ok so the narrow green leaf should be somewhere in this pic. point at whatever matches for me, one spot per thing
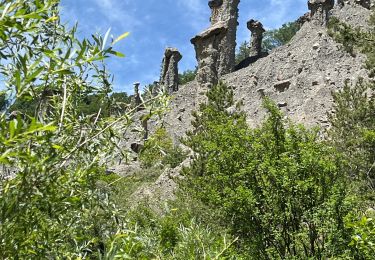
(106, 38)
(122, 36)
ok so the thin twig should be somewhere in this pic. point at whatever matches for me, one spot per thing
(66, 158)
(63, 108)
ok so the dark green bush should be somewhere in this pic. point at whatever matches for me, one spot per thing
(277, 187)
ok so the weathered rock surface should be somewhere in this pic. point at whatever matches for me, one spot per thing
(301, 75)
(169, 73)
(226, 11)
(207, 48)
(257, 31)
(320, 10)
(162, 190)
(364, 3)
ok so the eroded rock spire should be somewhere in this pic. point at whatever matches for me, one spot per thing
(320, 10)
(226, 11)
(207, 50)
(169, 73)
(137, 97)
(257, 31)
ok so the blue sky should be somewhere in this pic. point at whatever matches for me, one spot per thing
(157, 24)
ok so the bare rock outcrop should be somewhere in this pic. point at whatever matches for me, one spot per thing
(169, 73)
(226, 11)
(320, 10)
(137, 97)
(207, 48)
(257, 31)
(303, 19)
(216, 46)
(299, 76)
(368, 4)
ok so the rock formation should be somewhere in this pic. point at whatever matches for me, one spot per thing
(365, 3)
(216, 47)
(303, 19)
(257, 31)
(320, 10)
(215, 6)
(137, 97)
(169, 73)
(226, 11)
(207, 50)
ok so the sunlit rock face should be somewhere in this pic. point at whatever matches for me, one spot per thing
(207, 48)
(169, 72)
(226, 11)
(320, 10)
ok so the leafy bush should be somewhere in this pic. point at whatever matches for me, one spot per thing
(171, 236)
(363, 234)
(51, 207)
(278, 187)
(159, 148)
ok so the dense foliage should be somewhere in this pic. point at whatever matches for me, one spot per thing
(50, 205)
(3, 101)
(279, 188)
(186, 76)
(278, 191)
(281, 36)
(159, 149)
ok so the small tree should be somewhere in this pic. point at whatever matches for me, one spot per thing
(243, 52)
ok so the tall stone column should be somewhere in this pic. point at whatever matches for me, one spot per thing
(137, 97)
(207, 48)
(320, 10)
(226, 11)
(257, 31)
(169, 73)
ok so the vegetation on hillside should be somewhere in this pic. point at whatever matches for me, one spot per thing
(277, 191)
(187, 76)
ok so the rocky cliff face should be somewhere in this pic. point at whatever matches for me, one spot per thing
(299, 77)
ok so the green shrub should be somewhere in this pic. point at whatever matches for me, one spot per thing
(159, 149)
(277, 187)
(363, 234)
(353, 127)
(187, 76)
